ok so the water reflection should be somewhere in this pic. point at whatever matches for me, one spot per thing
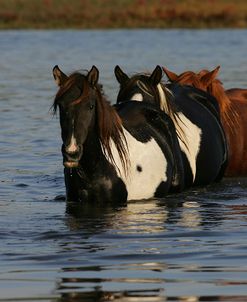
(189, 247)
(91, 218)
(146, 216)
(99, 297)
(122, 241)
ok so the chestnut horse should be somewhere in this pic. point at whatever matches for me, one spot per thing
(233, 111)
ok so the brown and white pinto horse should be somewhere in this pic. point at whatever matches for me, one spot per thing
(233, 111)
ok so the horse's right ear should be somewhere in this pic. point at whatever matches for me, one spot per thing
(210, 76)
(93, 76)
(59, 76)
(120, 75)
(172, 77)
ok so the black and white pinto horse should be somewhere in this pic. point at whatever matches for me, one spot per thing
(114, 154)
(195, 115)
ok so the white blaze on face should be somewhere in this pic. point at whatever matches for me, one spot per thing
(137, 97)
(72, 147)
(142, 183)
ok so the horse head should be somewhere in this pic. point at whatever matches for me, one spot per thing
(202, 80)
(140, 87)
(76, 100)
(207, 81)
(145, 87)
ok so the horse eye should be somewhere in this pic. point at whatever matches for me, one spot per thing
(91, 106)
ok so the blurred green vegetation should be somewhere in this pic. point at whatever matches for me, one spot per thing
(49, 14)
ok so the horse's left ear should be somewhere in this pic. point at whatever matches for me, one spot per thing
(120, 75)
(156, 75)
(208, 78)
(93, 76)
(172, 76)
(59, 76)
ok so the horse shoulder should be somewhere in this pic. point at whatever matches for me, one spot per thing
(148, 169)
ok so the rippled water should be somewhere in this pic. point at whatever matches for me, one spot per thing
(187, 247)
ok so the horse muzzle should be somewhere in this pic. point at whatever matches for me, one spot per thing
(71, 159)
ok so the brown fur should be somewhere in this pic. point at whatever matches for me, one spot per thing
(233, 111)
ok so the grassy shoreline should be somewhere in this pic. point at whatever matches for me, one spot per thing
(104, 14)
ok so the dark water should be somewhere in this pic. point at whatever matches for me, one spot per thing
(189, 247)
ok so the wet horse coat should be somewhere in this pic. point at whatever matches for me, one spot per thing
(233, 112)
(114, 154)
(196, 118)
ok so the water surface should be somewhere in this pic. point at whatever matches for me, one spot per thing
(187, 247)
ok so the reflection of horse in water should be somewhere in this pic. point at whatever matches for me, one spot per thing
(233, 112)
(107, 231)
(146, 216)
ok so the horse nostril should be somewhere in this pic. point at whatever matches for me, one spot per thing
(71, 149)
(72, 154)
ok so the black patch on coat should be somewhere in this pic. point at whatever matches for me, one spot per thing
(139, 168)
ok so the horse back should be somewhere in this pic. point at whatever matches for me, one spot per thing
(194, 95)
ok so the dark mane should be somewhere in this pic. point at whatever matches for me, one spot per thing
(167, 104)
(136, 80)
(109, 124)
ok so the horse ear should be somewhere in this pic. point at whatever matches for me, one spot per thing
(172, 77)
(120, 75)
(156, 75)
(93, 76)
(208, 78)
(59, 76)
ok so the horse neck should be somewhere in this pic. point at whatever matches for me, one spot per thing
(217, 90)
(229, 116)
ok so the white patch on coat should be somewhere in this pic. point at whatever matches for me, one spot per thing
(189, 134)
(142, 185)
(189, 137)
(137, 97)
(72, 147)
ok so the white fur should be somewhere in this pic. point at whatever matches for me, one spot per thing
(137, 97)
(189, 135)
(189, 140)
(163, 101)
(142, 185)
